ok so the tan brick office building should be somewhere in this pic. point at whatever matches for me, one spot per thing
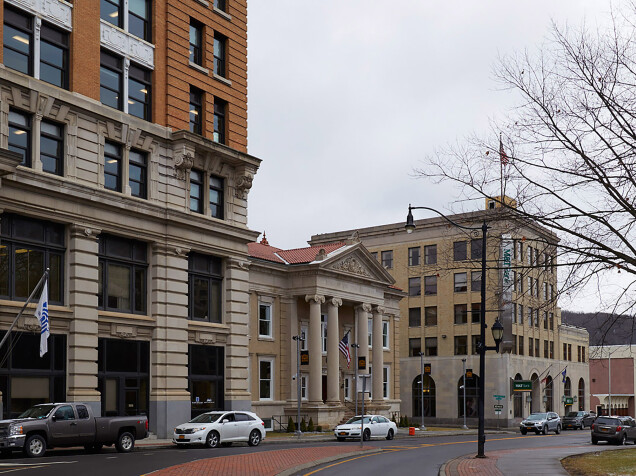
(440, 267)
(128, 177)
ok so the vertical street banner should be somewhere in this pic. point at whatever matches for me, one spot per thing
(507, 248)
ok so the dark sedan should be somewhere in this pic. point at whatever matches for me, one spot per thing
(577, 420)
(617, 430)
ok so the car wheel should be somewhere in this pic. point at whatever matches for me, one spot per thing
(558, 429)
(524, 431)
(125, 442)
(545, 430)
(35, 446)
(212, 440)
(389, 435)
(594, 440)
(255, 438)
(623, 439)
(367, 435)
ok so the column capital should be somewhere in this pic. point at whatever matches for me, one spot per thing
(364, 307)
(315, 297)
(379, 310)
(84, 231)
(336, 302)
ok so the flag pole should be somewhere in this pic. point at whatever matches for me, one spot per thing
(501, 196)
(43, 279)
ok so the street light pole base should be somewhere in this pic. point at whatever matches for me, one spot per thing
(481, 456)
(464, 427)
(423, 428)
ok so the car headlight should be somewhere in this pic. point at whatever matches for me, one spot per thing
(196, 430)
(15, 430)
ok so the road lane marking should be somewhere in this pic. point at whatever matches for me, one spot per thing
(36, 464)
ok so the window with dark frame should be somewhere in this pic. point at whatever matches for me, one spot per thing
(139, 84)
(52, 147)
(216, 196)
(112, 166)
(430, 254)
(18, 41)
(196, 191)
(206, 372)
(414, 256)
(536, 348)
(475, 312)
(220, 112)
(521, 341)
(415, 317)
(460, 250)
(123, 265)
(415, 346)
(530, 347)
(430, 346)
(205, 287)
(220, 43)
(475, 281)
(430, 285)
(139, 14)
(28, 248)
(220, 5)
(474, 344)
(387, 259)
(461, 345)
(196, 35)
(111, 11)
(460, 313)
(415, 286)
(460, 282)
(111, 80)
(546, 349)
(20, 135)
(475, 249)
(54, 64)
(138, 173)
(430, 316)
(196, 110)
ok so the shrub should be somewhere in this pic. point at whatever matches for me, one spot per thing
(402, 424)
(310, 427)
(303, 425)
(319, 429)
(291, 426)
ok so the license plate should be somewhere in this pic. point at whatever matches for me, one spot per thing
(343, 433)
(530, 427)
(605, 430)
(181, 437)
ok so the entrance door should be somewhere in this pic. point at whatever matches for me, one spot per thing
(324, 388)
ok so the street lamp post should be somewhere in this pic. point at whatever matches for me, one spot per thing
(356, 346)
(422, 427)
(464, 368)
(299, 338)
(497, 328)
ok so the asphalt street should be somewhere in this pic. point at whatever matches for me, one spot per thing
(422, 456)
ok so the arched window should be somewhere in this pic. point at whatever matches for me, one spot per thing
(518, 401)
(428, 394)
(549, 404)
(581, 394)
(472, 396)
(536, 400)
(567, 392)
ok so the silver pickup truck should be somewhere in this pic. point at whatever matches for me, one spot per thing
(52, 425)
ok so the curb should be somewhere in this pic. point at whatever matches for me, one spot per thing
(313, 464)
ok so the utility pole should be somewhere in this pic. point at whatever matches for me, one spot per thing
(299, 338)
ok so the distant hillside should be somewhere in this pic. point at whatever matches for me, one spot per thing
(604, 329)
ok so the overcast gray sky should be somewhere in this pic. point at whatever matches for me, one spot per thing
(346, 97)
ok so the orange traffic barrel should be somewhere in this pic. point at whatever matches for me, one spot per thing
(411, 431)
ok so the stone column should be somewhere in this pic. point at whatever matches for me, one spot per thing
(82, 338)
(362, 325)
(333, 354)
(378, 356)
(315, 349)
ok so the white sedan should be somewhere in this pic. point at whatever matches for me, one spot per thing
(220, 428)
(374, 426)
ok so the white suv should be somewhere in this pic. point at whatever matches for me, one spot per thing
(541, 423)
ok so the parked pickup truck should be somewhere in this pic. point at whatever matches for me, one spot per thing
(52, 425)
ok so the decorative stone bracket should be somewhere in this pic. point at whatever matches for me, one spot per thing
(243, 185)
(183, 163)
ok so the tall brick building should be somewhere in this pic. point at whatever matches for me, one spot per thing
(123, 154)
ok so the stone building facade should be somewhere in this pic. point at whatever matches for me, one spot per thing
(439, 265)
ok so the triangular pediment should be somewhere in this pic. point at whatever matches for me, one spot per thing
(357, 261)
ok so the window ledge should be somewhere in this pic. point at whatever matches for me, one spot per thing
(222, 79)
(266, 338)
(209, 325)
(225, 15)
(125, 315)
(203, 2)
(199, 68)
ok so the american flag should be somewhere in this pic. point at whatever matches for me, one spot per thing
(502, 154)
(344, 348)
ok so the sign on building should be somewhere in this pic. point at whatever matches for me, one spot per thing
(507, 249)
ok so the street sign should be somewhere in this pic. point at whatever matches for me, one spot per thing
(304, 357)
(499, 397)
(427, 369)
(469, 373)
(362, 362)
(569, 400)
(498, 407)
(522, 385)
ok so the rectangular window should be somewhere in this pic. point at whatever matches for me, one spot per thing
(530, 347)
(18, 41)
(461, 345)
(112, 166)
(519, 250)
(375, 255)
(583, 354)
(216, 197)
(460, 250)
(565, 351)
(385, 382)
(521, 340)
(28, 248)
(545, 291)
(415, 287)
(111, 76)
(370, 332)
(20, 135)
(520, 314)
(265, 379)
(54, 66)
(460, 313)
(347, 388)
(551, 350)
(530, 316)
(414, 256)
(52, 147)
(220, 111)
(196, 50)
(430, 316)
(514, 281)
(323, 332)
(514, 313)
(430, 254)
(430, 285)
(196, 191)
(529, 255)
(475, 310)
(551, 321)
(475, 281)
(303, 333)
(303, 387)
(578, 353)
(137, 174)
(430, 346)
(514, 344)
(531, 285)
(385, 334)
(552, 292)
(570, 352)
(387, 259)
(220, 5)
(415, 317)
(139, 84)
(536, 348)
(123, 265)
(220, 43)
(474, 341)
(476, 249)
(520, 282)
(415, 347)
(196, 110)
(205, 288)
(536, 318)
(111, 11)
(460, 282)
(265, 320)
(139, 12)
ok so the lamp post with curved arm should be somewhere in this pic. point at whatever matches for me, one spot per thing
(497, 328)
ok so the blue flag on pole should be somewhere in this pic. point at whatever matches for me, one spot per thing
(42, 314)
(563, 373)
